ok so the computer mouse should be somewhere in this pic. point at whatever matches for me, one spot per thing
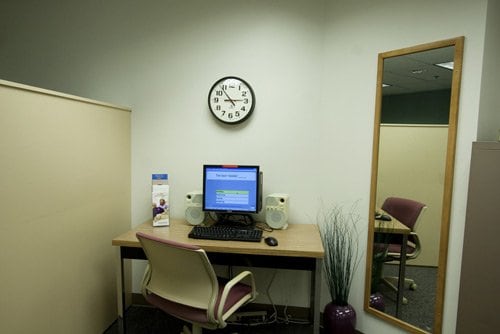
(382, 216)
(271, 241)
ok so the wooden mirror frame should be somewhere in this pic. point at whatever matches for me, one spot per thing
(448, 180)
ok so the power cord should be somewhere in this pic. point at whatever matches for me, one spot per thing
(263, 226)
(273, 318)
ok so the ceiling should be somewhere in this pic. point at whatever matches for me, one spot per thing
(416, 72)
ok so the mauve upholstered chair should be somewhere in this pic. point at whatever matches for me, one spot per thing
(181, 281)
(408, 212)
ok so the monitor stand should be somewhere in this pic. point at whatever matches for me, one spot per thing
(237, 220)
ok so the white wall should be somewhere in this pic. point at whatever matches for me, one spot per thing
(355, 32)
(489, 120)
(312, 65)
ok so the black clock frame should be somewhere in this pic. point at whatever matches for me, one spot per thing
(252, 107)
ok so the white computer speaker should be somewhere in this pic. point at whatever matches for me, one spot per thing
(276, 206)
(194, 212)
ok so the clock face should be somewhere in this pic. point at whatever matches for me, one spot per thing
(231, 100)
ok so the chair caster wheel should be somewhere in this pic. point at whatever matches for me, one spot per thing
(413, 286)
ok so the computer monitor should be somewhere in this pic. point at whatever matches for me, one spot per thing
(232, 189)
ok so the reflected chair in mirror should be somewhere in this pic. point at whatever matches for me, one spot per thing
(181, 281)
(408, 212)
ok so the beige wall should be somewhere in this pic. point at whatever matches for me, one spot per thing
(65, 176)
(411, 165)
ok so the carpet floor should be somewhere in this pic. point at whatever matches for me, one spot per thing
(420, 309)
(148, 320)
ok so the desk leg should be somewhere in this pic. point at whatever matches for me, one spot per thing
(120, 292)
(401, 276)
(316, 295)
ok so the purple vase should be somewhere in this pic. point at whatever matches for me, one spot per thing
(377, 301)
(339, 319)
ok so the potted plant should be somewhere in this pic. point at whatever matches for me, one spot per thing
(340, 241)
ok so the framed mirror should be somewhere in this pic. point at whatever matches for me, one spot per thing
(413, 161)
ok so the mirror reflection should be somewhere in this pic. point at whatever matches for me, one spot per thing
(411, 183)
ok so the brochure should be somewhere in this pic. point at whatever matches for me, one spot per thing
(160, 196)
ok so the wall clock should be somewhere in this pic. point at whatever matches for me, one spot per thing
(231, 100)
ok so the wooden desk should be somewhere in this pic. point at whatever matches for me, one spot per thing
(396, 227)
(299, 247)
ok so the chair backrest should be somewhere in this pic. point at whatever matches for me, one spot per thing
(407, 211)
(180, 272)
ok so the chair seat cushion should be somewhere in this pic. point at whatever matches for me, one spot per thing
(193, 314)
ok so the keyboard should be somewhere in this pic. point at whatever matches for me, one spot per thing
(225, 233)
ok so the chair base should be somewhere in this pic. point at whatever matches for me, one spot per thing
(392, 283)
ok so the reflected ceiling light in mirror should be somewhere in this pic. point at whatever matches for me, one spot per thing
(448, 65)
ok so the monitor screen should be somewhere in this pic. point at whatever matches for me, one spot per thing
(232, 188)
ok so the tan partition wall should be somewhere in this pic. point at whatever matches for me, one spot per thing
(411, 165)
(65, 193)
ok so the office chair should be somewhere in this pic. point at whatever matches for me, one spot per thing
(181, 281)
(409, 213)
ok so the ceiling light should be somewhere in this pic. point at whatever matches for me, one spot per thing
(385, 85)
(447, 65)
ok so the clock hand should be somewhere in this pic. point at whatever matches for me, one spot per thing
(227, 96)
(236, 100)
